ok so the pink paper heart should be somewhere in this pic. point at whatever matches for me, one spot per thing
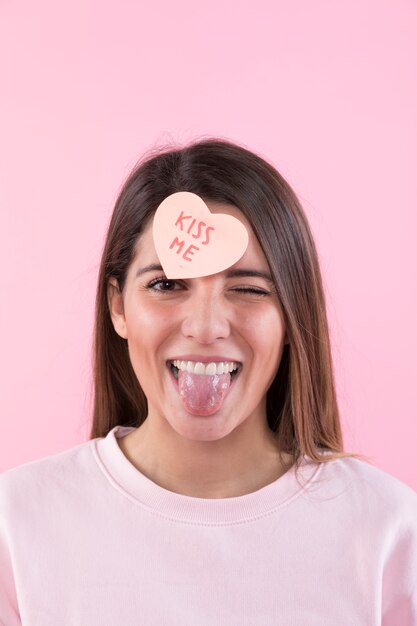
(190, 241)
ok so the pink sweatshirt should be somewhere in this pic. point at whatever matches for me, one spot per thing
(87, 540)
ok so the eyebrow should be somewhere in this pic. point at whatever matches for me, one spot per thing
(149, 268)
(234, 273)
(238, 273)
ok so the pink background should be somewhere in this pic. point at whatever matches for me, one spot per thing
(325, 90)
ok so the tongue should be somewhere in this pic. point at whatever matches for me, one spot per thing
(201, 393)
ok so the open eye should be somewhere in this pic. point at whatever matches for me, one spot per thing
(164, 283)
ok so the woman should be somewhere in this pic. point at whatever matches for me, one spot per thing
(214, 488)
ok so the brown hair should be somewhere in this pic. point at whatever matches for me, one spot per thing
(302, 407)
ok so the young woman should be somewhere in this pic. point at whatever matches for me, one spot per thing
(214, 488)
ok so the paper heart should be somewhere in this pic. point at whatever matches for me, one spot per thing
(190, 241)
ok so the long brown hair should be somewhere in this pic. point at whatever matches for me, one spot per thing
(302, 407)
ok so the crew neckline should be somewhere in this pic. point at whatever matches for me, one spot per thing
(125, 477)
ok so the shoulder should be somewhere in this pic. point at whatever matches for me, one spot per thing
(375, 490)
(41, 481)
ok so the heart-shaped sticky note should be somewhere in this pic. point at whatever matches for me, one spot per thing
(190, 241)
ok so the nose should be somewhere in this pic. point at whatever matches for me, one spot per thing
(205, 316)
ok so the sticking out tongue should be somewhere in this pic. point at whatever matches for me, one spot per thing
(201, 393)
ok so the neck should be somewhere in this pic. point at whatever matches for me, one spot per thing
(242, 462)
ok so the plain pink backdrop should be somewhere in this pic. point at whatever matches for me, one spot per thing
(324, 90)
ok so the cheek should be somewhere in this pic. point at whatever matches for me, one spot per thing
(147, 329)
(265, 336)
(264, 326)
(147, 326)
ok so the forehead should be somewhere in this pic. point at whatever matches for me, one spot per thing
(146, 253)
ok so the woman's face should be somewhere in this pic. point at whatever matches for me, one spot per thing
(219, 318)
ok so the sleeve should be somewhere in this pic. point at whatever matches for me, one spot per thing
(9, 612)
(399, 582)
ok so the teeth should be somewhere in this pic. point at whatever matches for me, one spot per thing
(199, 368)
(209, 369)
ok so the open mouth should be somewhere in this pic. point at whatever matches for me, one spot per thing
(237, 367)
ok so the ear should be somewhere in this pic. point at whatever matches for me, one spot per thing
(116, 308)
